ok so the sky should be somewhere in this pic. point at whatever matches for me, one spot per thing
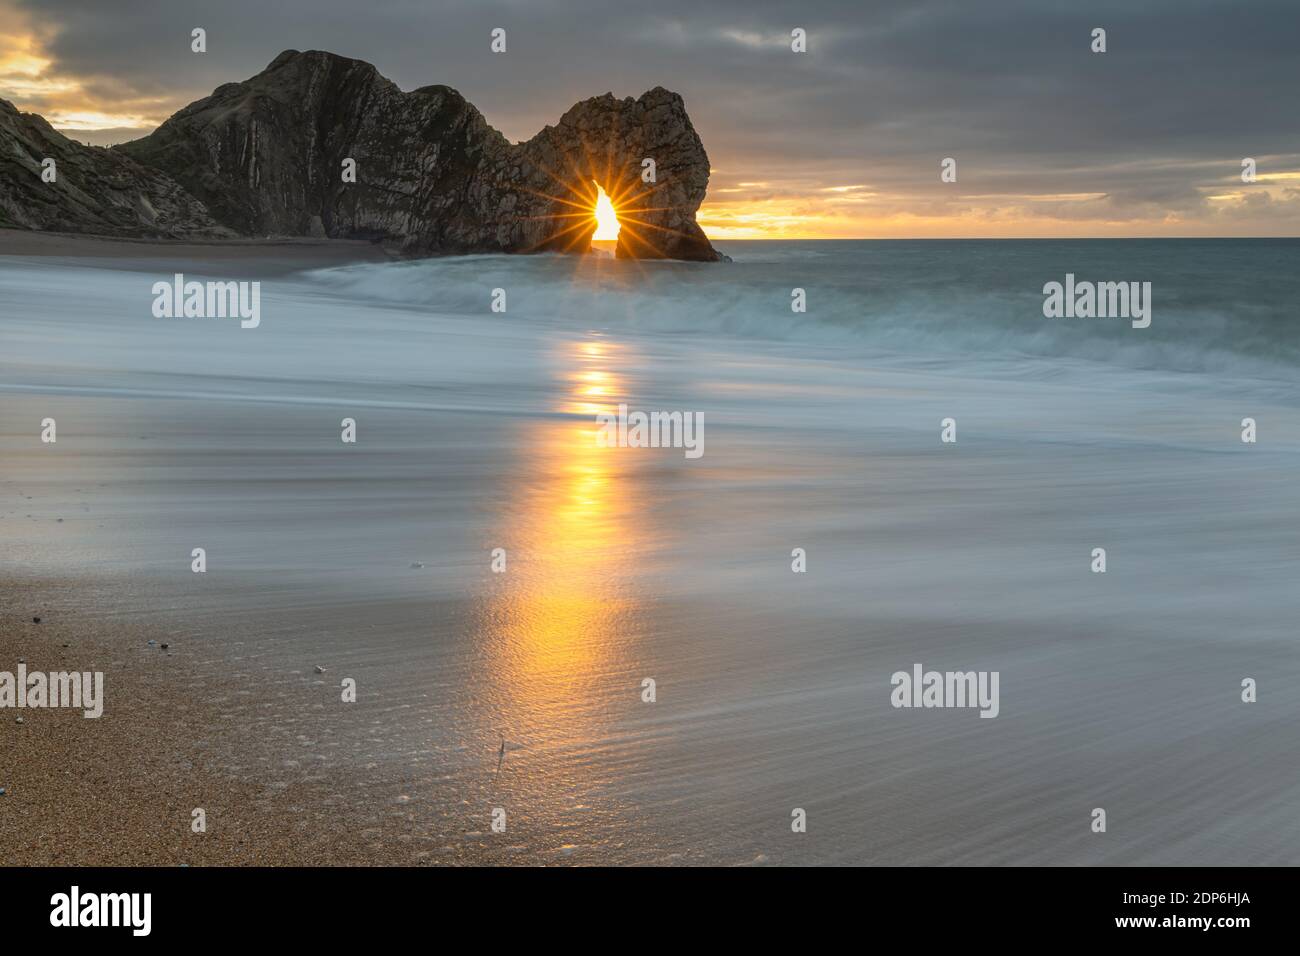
(845, 140)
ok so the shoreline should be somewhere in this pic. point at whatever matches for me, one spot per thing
(265, 256)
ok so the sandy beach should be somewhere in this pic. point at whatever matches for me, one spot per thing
(122, 789)
(262, 256)
(373, 560)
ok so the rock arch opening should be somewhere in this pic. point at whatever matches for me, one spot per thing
(605, 238)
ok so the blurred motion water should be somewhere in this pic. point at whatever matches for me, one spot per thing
(476, 431)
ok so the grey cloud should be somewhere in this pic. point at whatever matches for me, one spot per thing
(1009, 87)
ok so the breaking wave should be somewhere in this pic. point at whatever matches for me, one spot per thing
(1218, 306)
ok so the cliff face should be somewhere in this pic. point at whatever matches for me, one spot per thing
(265, 157)
(93, 190)
(606, 140)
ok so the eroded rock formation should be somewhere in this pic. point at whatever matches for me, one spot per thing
(265, 157)
(88, 189)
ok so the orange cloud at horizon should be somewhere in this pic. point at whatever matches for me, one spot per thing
(857, 211)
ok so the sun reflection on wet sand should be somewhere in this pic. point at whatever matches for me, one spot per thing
(558, 627)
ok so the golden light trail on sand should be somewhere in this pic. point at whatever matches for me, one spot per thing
(553, 633)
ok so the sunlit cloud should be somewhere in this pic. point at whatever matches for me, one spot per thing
(89, 119)
(20, 88)
(754, 40)
(804, 209)
(31, 80)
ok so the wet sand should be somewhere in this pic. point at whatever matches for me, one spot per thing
(1119, 690)
(255, 258)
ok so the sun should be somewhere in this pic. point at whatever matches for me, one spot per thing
(617, 230)
(606, 218)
